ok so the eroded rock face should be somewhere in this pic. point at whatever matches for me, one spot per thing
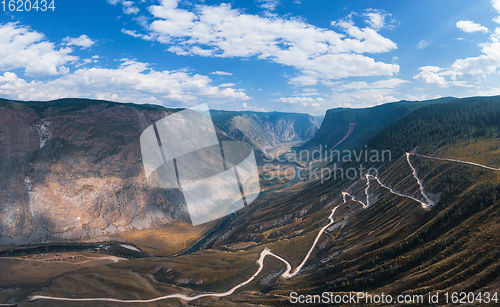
(71, 169)
(71, 173)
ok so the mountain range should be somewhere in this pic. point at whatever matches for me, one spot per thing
(425, 222)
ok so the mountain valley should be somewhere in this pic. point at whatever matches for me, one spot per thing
(426, 222)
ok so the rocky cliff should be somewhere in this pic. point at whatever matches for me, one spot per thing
(72, 169)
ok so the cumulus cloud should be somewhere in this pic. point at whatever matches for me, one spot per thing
(131, 82)
(128, 6)
(477, 67)
(377, 19)
(496, 5)
(319, 54)
(430, 75)
(20, 47)
(83, 41)
(470, 27)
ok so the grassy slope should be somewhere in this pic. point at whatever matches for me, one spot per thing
(440, 124)
(395, 246)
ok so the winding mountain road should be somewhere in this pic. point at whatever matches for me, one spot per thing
(267, 252)
(455, 160)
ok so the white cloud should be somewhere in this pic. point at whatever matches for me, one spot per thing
(84, 62)
(93, 59)
(227, 84)
(131, 82)
(83, 41)
(307, 92)
(423, 44)
(430, 75)
(20, 47)
(253, 108)
(345, 94)
(128, 6)
(470, 27)
(496, 5)
(497, 19)
(482, 65)
(492, 91)
(319, 54)
(363, 98)
(304, 101)
(421, 97)
(269, 4)
(221, 73)
(136, 34)
(477, 67)
(132, 33)
(433, 75)
(362, 94)
(377, 19)
(361, 85)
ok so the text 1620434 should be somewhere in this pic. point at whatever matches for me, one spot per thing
(28, 5)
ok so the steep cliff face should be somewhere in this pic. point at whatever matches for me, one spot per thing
(72, 169)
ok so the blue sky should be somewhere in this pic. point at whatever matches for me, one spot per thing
(262, 55)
